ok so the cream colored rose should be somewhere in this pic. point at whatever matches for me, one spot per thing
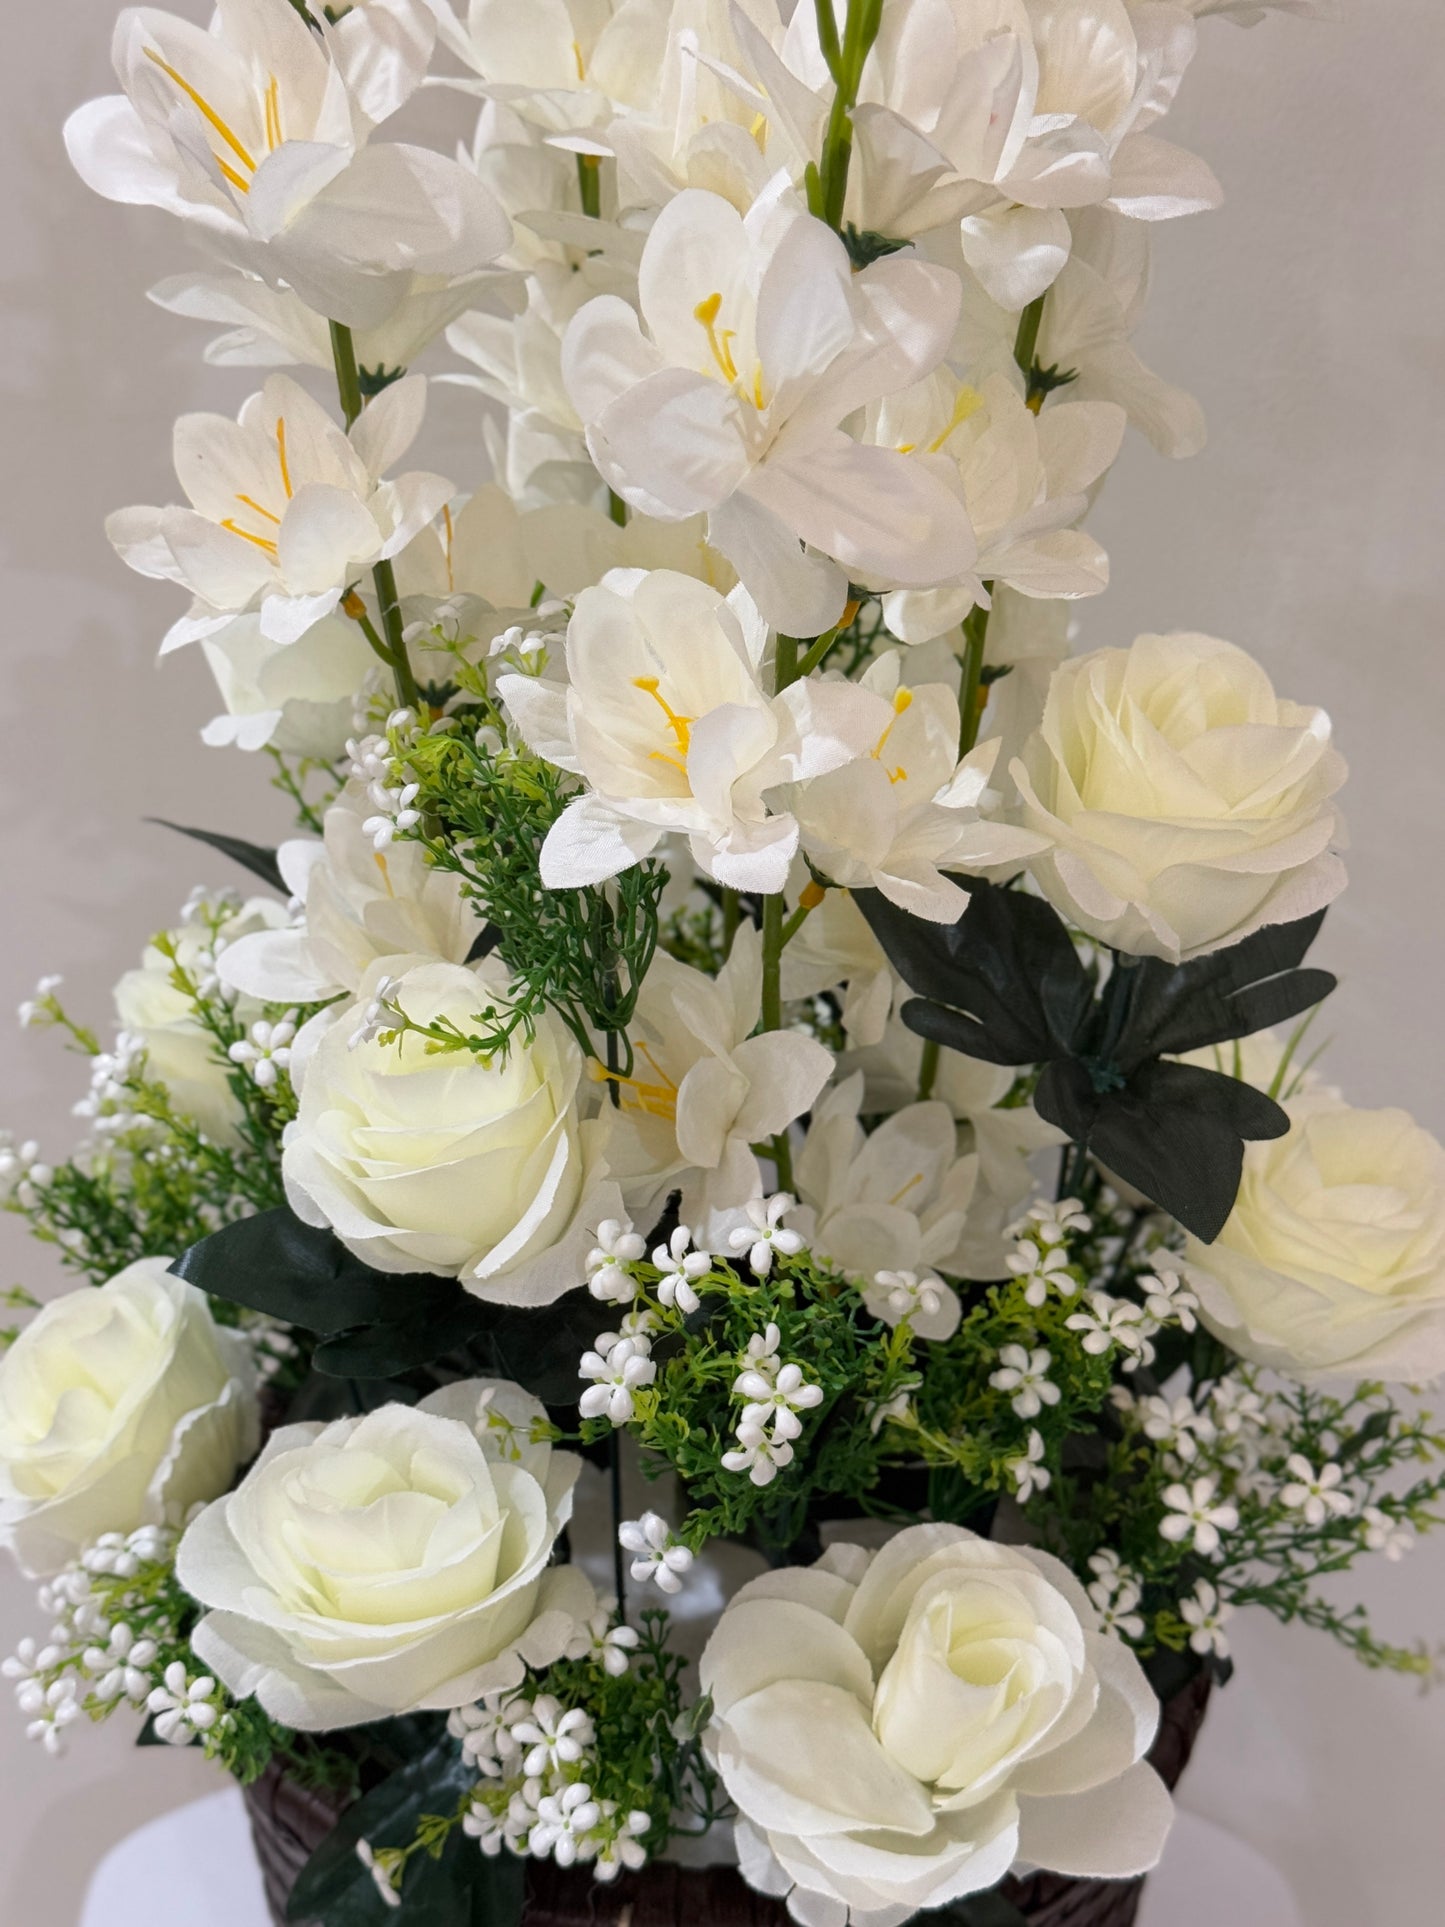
(383, 1564)
(898, 1729)
(1186, 804)
(119, 1407)
(439, 1161)
(1333, 1259)
(180, 1052)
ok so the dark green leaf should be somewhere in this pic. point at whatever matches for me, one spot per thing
(978, 1910)
(423, 1331)
(250, 856)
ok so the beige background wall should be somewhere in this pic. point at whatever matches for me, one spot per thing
(1310, 318)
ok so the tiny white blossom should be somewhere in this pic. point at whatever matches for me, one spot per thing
(605, 1644)
(182, 1706)
(616, 1374)
(1236, 1407)
(1168, 1300)
(617, 1245)
(776, 1399)
(376, 1017)
(40, 1009)
(1316, 1494)
(625, 1850)
(554, 1735)
(1206, 1613)
(680, 1265)
(764, 1237)
(378, 1870)
(656, 1554)
(1384, 1534)
(563, 1821)
(760, 1456)
(1026, 1375)
(394, 813)
(1177, 1424)
(1028, 1471)
(1108, 1322)
(1194, 1514)
(267, 1052)
(1116, 1592)
(1046, 1269)
(929, 1304)
(899, 1407)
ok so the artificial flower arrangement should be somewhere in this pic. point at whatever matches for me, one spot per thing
(723, 911)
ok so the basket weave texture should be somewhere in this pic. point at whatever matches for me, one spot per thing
(289, 1822)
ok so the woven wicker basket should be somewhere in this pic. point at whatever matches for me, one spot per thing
(288, 1823)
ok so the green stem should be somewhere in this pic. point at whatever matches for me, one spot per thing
(589, 183)
(772, 1015)
(818, 651)
(845, 63)
(928, 1070)
(795, 922)
(392, 649)
(970, 711)
(732, 914)
(617, 508)
(785, 664)
(348, 375)
(1026, 342)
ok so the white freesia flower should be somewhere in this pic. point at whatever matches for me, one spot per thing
(895, 1200)
(259, 132)
(1000, 118)
(1186, 803)
(490, 1170)
(1026, 480)
(287, 509)
(665, 719)
(1333, 1259)
(756, 340)
(296, 698)
(905, 810)
(835, 949)
(877, 1766)
(380, 1565)
(360, 905)
(119, 1407)
(180, 1052)
(704, 1089)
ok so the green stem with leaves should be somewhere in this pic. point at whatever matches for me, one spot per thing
(390, 646)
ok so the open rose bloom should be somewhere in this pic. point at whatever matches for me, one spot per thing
(769, 997)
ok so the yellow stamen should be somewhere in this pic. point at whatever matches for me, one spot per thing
(902, 703)
(758, 400)
(906, 448)
(447, 548)
(966, 402)
(246, 536)
(265, 514)
(238, 181)
(759, 132)
(681, 726)
(652, 1099)
(281, 453)
(707, 313)
(379, 858)
(900, 1195)
(274, 136)
(581, 63)
(206, 110)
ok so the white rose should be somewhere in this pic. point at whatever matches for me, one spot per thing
(1333, 1259)
(425, 1160)
(1186, 804)
(180, 1052)
(119, 1407)
(383, 1564)
(898, 1729)
(360, 904)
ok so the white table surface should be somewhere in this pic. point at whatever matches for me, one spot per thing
(195, 1868)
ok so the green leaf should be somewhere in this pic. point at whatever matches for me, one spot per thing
(978, 1910)
(250, 856)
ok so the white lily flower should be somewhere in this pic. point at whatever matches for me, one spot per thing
(704, 1089)
(1026, 480)
(666, 720)
(899, 814)
(754, 342)
(259, 130)
(298, 698)
(287, 508)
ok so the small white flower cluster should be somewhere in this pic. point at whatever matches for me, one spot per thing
(619, 1365)
(1028, 1471)
(1177, 1424)
(266, 1053)
(526, 648)
(1107, 1322)
(764, 1237)
(1205, 1614)
(183, 1705)
(1041, 1248)
(907, 1294)
(1116, 1591)
(776, 1392)
(1025, 1374)
(681, 1263)
(378, 1015)
(657, 1553)
(1196, 1513)
(603, 1641)
(536, 1761)
(618, 1246)
(40, 1010)
(23, 1176)
(394, 809)
(94, 1658)
(107, 1103)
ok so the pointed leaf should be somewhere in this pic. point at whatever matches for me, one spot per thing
(251, 856)
(1229, 993)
